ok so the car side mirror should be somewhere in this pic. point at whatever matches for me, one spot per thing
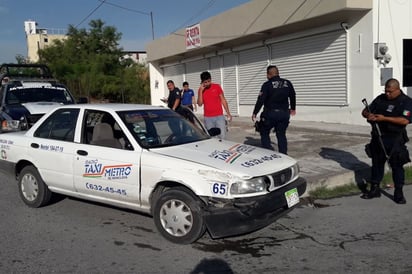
(214, 131)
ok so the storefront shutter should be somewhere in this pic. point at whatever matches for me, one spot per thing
(252, 73)
(193, 71)
(316, 66)
(229, 82)
(174, 73)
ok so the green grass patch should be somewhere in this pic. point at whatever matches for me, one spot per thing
(349, 189)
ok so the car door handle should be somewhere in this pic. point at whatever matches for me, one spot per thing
(34, 145)
(82, 152)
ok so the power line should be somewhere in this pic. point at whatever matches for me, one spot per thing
(124, 8)
(93, 11)
(132, 10)
(202, 10)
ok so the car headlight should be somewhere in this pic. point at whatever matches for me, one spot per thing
(10, 125)
(295, 170)
(254, 185)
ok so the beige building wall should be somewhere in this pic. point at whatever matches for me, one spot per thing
(40, 41)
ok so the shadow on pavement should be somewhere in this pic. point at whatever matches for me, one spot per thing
(207, 266)
(349, 161)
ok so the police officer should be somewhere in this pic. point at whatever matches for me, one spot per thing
(173, 100)
(389, 115)
(276, 95)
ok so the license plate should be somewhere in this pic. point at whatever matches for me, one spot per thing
(292, 197)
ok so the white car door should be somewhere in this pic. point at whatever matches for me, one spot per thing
(104, 167)
(110, 173)
(52, 149)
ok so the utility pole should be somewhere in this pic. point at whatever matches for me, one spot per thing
(151, 19)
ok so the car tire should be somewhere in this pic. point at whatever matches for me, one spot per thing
(178, 216)
(32, 189)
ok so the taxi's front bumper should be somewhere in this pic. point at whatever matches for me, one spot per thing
(243, 215)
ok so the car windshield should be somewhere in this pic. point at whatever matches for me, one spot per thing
(19, 95)
(162, 127)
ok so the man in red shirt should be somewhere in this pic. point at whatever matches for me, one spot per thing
(211, 97)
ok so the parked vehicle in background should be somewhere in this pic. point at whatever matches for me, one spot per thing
(153, 160)
(27, 92)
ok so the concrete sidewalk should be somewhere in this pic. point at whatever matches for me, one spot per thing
(328, 154)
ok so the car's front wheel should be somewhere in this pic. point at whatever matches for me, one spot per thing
(32, 189)
(178, 216)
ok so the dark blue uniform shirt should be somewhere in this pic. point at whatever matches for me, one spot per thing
(276, 94)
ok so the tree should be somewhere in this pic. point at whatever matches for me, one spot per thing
(89, 62)
(20, 59)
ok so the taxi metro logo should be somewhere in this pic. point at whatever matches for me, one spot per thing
(94, 169)
(230, 155)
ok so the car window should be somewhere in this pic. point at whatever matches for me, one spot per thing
(19, 95)
(60, 125)
(161, 127)
(109, 134)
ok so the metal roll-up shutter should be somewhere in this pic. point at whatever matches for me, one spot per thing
(215, 65)
(193, 71)
(229, 83)
(174, 73)
(316, 66)
(252, 73)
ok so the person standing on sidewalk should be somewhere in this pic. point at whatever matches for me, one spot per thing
(210, 95)
(389, 114)
(278, 98)
(188, 97)
(173, 100)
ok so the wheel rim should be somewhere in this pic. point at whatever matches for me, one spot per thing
(176, 218)
(29, 187)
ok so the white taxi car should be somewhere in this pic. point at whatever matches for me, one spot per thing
(155, 161)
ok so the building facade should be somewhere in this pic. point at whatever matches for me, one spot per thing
(335, 53)
(39, 38)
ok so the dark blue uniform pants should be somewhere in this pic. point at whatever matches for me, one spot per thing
(279, 121)
(396, 149)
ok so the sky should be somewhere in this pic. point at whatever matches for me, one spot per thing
(130, 17)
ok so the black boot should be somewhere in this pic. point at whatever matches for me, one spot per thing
(374, 192)
(398, 196)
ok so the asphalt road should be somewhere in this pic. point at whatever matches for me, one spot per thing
(343, 235)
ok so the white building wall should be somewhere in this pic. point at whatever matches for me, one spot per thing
(392, 23)
(157, 85)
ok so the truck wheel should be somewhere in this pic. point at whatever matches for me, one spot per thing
(32, 189)
(178, 216)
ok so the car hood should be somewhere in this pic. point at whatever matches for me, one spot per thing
(40, 107)
(240, 159)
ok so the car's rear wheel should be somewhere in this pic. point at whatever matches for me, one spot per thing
(32, 189)
(178, 216)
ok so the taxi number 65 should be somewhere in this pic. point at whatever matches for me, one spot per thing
(219, 188)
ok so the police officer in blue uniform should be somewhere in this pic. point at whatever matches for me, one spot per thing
(173, 100)
(278, 98)
(389, 115)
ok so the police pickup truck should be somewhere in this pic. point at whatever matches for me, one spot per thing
(153, 160)
(27, 92)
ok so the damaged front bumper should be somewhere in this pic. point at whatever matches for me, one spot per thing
(243, 215)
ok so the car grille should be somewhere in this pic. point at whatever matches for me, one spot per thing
(282, 177)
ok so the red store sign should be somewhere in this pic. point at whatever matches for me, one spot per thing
(193, 37)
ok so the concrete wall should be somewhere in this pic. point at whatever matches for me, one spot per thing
(40, 41)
